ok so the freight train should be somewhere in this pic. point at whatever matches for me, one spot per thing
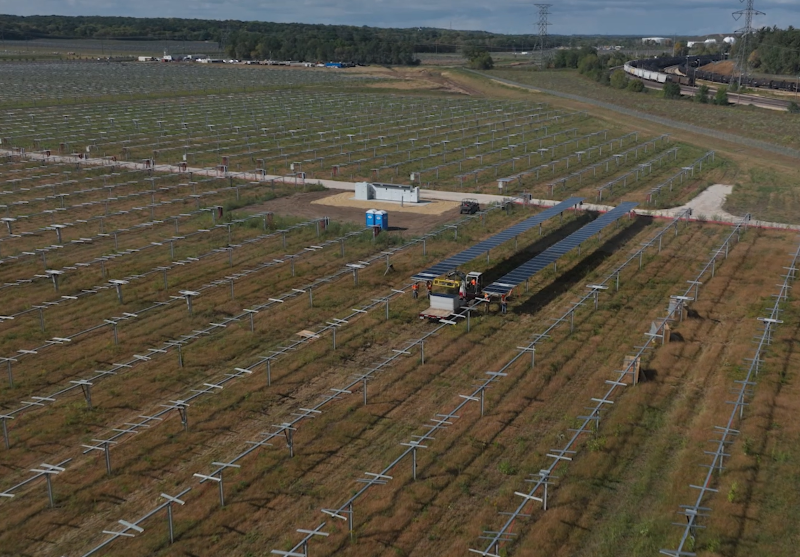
(651, 69)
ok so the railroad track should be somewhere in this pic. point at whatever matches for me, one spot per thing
(733, 98)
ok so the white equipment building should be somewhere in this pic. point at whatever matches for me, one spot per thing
(367, 191)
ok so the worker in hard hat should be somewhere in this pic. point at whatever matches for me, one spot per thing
(415, 290)
(429, 286)
(462, 291)
(503, 304)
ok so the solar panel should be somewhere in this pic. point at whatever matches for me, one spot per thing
(452, 263)
(554, 252)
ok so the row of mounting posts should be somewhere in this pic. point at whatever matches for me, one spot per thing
(532, 350)
(310, 296)
(269, 372)
(118, 284)
(414, 445)
(5, 419)
(86, 387)
(218, 479)
(105, 446)
(336, 323)
(480, 400)
(189, 294)
(727, 432)
(48, 471)
(182, 408)
(355, 267)
(171, 501)
(54, 274)
(251, 313)
(10, 371)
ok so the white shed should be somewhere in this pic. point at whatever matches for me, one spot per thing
(366, 191)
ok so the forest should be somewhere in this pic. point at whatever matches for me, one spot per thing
(292, 41)
(775, 51)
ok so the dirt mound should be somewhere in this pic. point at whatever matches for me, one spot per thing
(724, 67)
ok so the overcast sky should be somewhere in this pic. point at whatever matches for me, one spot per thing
(620, 17)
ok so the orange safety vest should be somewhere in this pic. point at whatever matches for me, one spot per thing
(415, 286)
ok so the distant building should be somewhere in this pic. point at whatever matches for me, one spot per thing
(656, 40)
(729, 40)
(706, 42)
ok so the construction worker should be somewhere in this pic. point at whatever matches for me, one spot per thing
(429, 286)
(462, 291)
(503, 304)
(415, 290)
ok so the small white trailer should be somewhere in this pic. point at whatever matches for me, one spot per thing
(442, 306)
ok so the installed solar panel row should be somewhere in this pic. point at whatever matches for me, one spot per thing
(452, 263)
(554, 252)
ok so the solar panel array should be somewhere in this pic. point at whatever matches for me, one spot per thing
(554, 252)
(469, 254)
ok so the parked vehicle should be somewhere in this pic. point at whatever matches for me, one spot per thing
(469, 206)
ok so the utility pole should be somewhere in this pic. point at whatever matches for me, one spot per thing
(544, 12)
(748, 29)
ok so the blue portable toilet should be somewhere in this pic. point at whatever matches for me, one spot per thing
(371, 217)
(382, 220)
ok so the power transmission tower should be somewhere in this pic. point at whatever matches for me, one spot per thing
(544, 13)
(748, 29)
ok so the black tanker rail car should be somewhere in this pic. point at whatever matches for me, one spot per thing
(651, 69)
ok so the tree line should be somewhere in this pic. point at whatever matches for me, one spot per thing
(606, 69)
(774, 51)
(316, 43)
(287, 41)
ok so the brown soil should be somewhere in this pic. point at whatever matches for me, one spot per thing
(617, 497)
(725, 67)
(304, 206)
(426, 208)
(423, 79)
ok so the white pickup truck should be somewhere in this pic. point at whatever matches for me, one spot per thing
(442, 306)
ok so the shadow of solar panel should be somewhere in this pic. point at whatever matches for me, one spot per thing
(553, 253)
(469, 254)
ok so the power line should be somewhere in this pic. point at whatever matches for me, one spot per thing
(544, 12)
(748, 29)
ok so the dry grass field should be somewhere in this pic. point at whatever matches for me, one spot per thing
(622, 488)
